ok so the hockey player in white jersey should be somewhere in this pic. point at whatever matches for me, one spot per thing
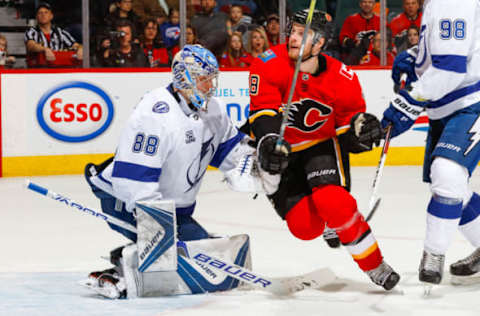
(448, 88)
(172, 136)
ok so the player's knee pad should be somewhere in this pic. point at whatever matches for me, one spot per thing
(449, 179)
(303, 220)
(334, 204)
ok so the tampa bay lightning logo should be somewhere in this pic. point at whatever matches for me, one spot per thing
(198, 167)
(308, 115)
(160, 107)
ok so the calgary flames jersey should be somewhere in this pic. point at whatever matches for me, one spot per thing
(322, 104)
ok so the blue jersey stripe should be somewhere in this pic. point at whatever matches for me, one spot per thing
(454, 95)
(135, 172)
(224, 149)
(100, 176)
(455, 63)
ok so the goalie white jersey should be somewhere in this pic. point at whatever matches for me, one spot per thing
(166, 147)
(448, 61)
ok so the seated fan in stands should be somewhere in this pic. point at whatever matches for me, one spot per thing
(48, 45)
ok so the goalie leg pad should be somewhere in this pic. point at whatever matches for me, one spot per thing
(191, 277)
(157, 233)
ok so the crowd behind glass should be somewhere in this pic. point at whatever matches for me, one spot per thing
(146, 33)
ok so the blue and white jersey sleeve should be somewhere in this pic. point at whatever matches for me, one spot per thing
(233, 143)
(448, 61)
(143, 147)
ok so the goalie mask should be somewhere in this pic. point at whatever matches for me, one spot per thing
(320, 25)
(191, 66)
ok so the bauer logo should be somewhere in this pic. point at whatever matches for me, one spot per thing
(75, 111)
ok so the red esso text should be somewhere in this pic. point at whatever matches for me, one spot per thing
(74, 112)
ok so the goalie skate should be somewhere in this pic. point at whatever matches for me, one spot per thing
(107, 283)
(92, 279)
(466, 271)
(384, 276)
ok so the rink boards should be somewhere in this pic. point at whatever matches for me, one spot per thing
(55, 121)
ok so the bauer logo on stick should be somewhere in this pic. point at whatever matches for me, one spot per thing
(75, 111)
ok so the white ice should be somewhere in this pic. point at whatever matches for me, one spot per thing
(46, 248)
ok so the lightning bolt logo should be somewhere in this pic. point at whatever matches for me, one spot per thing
(475, 138)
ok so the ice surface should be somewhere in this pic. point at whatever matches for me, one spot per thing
(46, 248)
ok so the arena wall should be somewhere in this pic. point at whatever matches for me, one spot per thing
(55, 121)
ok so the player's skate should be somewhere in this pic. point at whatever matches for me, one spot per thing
(463, 269)
(331, 237)
(431, 270)
(384, 276)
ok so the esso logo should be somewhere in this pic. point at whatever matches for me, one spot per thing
(75, 111)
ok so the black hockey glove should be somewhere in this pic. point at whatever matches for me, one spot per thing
(365, 130)
(272, 161)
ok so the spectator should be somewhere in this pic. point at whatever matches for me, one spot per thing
(257, 41)
(372, 57)
(190, 35)
(46, 43)
(235, 55)
(123, 52)
(237, 22)
(411, 15)
(359, 26)
(157, 54)
(149, 9)
(5, 60)
(273, 29)
(413, 36)
(211, 27)
(249, 7)
(170, 30)
(123, 10)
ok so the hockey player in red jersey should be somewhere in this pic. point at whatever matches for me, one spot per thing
(327, 120)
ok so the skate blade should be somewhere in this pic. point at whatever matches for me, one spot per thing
(465, 280)
(89, 282)
(427, 289)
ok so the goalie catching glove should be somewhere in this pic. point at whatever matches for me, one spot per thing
(365, 131)
(271, 160)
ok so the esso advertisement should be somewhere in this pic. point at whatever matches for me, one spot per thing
(75, 111)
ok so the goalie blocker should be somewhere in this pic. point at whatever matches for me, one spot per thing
(159, 265)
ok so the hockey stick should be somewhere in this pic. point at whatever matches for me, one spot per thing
(279, 286)
(295, 75)
(374, 199)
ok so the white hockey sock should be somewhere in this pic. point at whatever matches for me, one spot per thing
(443, 216)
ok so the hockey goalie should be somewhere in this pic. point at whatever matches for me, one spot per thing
(172, 136)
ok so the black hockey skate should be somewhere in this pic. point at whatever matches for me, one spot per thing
(331, 237)
(431, 268)
(467, 266)
(384, 276)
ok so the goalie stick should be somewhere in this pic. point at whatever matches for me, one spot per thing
(277, 286)
(374, 199)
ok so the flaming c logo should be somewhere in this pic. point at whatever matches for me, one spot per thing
(308, 115)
